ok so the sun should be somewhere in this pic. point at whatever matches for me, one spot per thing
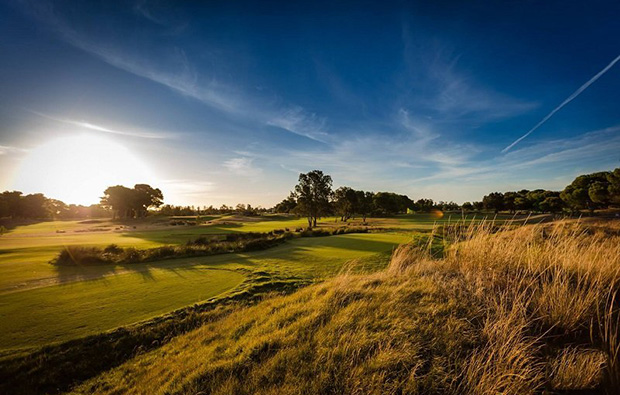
(77, 169)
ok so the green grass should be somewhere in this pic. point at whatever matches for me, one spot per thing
(54, 304)
(58, 313)
(42, 304)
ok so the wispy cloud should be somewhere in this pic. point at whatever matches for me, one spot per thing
(242, 166)
(162, 14)
(421, 130)
(98, 128)
(302, 123)
(437, 85)
(182, 77)
(186, 187)
(565, 102)
(5, 150)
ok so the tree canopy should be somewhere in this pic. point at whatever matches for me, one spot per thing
(131, 202)
(313, 193)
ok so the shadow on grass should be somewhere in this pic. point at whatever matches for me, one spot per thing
(296, 251)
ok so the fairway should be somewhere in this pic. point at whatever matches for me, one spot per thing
(62, 303)
(45, 315)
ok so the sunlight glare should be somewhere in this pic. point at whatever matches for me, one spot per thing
(77, 169)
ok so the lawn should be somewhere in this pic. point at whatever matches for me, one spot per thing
(42, 304)
(50, 314)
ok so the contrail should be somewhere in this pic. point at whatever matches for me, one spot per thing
(565, 102)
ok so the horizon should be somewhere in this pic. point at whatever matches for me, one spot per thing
(228, 103)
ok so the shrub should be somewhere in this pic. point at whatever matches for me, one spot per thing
(78, 255)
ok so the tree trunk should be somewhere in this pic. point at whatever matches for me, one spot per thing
(315, 221)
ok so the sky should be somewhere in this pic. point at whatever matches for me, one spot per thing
(227, 102)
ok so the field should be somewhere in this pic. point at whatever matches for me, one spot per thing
(49, 305)
(42, 304)
(521, 311)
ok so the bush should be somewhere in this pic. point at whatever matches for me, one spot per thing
(113, 249)
(80, 256)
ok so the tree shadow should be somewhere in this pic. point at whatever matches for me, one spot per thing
(302, 251)
(10, 224)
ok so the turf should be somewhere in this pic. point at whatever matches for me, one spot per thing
(50, 314)
(61, 303)
(42, 304)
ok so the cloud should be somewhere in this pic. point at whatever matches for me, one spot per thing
(302, 123)
(435, 85)
(242, 166)
(6, 150)
(565, 102)
(183, 190)
(88, 125)
(181, 77)
(421, 130)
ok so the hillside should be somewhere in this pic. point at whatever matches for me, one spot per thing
(511, 311)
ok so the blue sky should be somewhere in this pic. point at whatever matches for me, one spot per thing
(228, 102)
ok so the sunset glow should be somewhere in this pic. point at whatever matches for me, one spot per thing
(77, 169)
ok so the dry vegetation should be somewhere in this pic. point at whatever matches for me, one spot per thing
(514, 310)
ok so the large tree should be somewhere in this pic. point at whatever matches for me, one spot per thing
(364, 203)
(494, 201)
(614, 186)
(588, 191)
(10, 204)
(313, 193)
(345, 202)
(131, 202)
(146, 197)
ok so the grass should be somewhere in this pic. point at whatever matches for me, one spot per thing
(41, 304)
(514, 311)
(78, 301)
(58, 313)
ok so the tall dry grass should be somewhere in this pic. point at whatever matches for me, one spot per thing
(538, 288)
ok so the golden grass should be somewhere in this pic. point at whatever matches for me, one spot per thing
(513, 311)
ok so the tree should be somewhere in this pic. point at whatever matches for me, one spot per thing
(551, 204)
(389, 203)
(146, 197)
(494, 201)
(467, 206)
(364, 203)
(132, 202)
(614, 186)
(510, 201)
(425, 205)
(345, 202)
(34, 206)
(10, 204)
(119, 199)
(588, 191)
(313, 194)
(287, 205)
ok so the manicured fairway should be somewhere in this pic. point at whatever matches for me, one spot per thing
(76, 301)
(42, 304)
(45, 315)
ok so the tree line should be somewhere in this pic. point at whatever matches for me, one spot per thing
(590, 192)
(313, 197)
(16, 205)
(240, 209)
(118, 201)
